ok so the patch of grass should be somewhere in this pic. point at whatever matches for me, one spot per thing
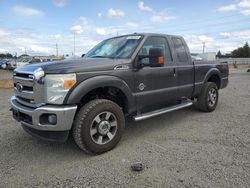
(6, 84)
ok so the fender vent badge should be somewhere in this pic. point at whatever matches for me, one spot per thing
(141, 86)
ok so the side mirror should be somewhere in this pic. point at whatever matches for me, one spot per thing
(156, 58)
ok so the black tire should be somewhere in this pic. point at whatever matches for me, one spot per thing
(204, 103)
(85, 122)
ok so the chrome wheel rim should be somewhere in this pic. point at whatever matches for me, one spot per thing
(103, 128)
(212, 97)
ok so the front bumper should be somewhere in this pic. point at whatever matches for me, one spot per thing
(32, 117)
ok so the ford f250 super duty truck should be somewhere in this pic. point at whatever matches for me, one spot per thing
(137, 75)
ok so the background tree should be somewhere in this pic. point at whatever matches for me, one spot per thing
(219, 55)
(242, 52)
(7, 55)
(246, 50)
(23, 55)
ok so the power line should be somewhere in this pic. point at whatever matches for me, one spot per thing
(202, 20)
(220, 21)
(239, 29)
(206, 26)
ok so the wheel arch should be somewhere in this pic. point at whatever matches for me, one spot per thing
(213, 75)
(101, 82)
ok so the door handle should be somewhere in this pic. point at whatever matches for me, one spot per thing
(121, 67)
(174, 70)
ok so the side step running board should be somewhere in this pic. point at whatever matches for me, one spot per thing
(163, 111)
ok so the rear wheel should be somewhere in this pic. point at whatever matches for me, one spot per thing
(208, 100)
(98, 126)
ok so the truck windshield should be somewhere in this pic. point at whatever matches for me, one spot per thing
(118, 47)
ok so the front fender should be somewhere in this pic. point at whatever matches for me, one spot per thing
(75, 96)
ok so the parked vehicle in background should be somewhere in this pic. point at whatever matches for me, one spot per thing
(23, 61)
(11, 64)
(35, 60)
(137, 75)
(196, 58)
(8, 64)
(3, 63)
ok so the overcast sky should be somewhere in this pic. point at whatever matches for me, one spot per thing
(37, 25)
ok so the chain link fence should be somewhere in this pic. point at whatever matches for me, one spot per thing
(237, 61)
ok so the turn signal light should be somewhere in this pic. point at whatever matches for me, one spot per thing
(161, 60)
(69, 84)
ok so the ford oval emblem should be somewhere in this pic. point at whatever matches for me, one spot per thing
(19, 87)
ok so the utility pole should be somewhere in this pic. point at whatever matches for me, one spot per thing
(74, 43)
(204, 46)
(56, 50)
(15, 56)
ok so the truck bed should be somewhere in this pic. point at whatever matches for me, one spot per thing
(204, 68)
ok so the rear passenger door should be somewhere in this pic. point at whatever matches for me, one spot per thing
(185, 68)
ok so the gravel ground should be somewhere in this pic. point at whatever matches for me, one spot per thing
(185, 148)
(5, 74)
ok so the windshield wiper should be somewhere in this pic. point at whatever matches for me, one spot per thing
(99, 56)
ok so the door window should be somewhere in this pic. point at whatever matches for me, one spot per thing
(180, 50)
(156, 42)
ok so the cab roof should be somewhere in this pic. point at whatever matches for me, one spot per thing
(150, 34)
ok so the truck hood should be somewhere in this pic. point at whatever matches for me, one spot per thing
(74, 65)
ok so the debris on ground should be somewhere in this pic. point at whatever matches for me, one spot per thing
(138, 166)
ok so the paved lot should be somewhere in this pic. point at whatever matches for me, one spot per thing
(186, 148)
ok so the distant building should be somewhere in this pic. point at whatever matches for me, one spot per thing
(209, 56)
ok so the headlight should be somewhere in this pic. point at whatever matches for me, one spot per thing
(57, 87)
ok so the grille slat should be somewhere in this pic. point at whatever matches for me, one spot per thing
(24, 75)
(25, 81)
(26, 95)
(26, 102)
(25, 88)
(30, 93)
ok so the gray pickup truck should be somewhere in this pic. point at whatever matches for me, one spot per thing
(138, 75)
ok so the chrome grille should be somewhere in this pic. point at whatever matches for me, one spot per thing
(27, 91)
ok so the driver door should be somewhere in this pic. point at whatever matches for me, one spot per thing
(156, 86)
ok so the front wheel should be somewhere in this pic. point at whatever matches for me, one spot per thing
(208, 99)
(98, 126)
